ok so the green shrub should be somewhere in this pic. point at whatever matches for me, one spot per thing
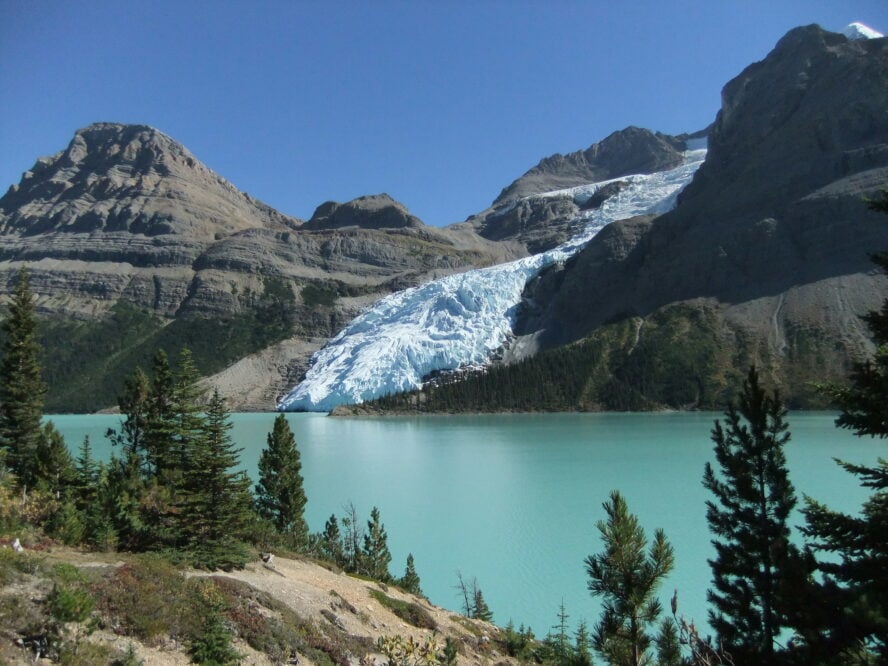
(13, 564)
(70, 604)
(149, 599)
(212, 646)
(319, 295)
(411, 613)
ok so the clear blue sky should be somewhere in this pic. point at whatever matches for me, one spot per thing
(440, 104)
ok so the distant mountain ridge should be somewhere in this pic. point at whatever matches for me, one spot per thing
(133, 244)
(628, 151)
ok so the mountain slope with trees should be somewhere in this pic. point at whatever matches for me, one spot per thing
(764, 260)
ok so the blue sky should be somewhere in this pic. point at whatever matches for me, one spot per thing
(440, 104)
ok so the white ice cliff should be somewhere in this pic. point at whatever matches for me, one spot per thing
(460, 320)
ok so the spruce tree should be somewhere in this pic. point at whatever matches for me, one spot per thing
(54, 471)
(627, 578)
(756, 568)
(280, 497)
(480, 609)
(375, 555)
(217, 506)
(180, 451)
(331, 542)
(855, 586)
(410, 579)
(21, 386)
(134, 406)
(582, 648)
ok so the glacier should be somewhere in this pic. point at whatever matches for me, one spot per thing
(460, 320)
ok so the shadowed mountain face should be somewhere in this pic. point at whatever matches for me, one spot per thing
(774, 233)
(540, 223)
(378, 211)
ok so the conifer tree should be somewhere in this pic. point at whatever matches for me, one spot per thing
(627, 578)
(375, 555)
(331, 542)
(54, 471)
(134, 406)
(410, 580)
(756, 568)
(159, 429)
(559, 640)
(21, 386)
(217, 501)
(180, 450)
(86, 475)
(353, 533)
(480, 609)
(280, 497)
(582, 648)
(855, 589)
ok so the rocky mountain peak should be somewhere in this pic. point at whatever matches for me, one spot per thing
(814, 110)
(114, 177)
(376, 211)
(628, 151)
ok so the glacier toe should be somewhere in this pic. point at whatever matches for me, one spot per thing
(459, 320)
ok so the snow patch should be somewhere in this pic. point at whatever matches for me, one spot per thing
(460, 320)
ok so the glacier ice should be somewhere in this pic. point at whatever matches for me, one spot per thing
(459, 320)
(860, 31)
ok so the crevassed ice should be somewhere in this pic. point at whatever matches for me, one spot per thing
(459, 320)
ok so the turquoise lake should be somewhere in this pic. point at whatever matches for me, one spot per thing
(512, 500)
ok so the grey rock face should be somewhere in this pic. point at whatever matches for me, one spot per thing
(378, 211)
(629, 151)
(129, 178)
(540, 223)
(146, 221)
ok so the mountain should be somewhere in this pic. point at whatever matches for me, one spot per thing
(769, 244)
(764, 259)
(522, 214)
(629, 151)
(465, 319)
(662, 300)
(132, 244)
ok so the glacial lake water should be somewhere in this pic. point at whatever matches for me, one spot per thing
(512, 500)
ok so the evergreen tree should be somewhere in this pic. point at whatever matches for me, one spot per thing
(54, 470)
(280, 497)
(128, 497)
(410, 580)
(855, 586)
(134, 405)
(582, 648)
(217, 502)
(331, 542)
(86, 476)
(158, 416)
(480, 609)
(351, 539)
(559, 643)
(755, 563)
(21, 387)
(375, 555)
(627, 578)
(668, 645)
(179, 436)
